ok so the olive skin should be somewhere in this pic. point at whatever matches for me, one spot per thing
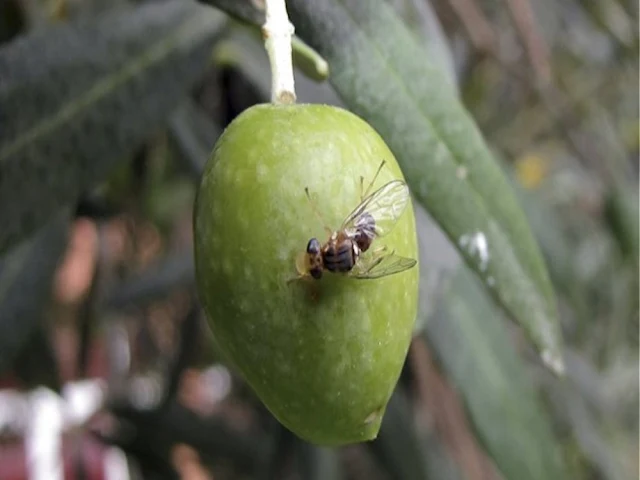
(322, 355)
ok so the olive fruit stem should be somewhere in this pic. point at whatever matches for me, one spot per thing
(277, 31)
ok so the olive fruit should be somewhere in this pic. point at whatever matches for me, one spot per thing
(322, 355)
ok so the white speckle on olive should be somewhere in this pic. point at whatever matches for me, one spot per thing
(227, 266)
(248, 273)
(371, 417)
(283, 255)
(244, 222)
(245, 307)
(261, 171)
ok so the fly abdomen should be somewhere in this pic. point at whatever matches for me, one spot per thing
(339, 257)
(365, 231)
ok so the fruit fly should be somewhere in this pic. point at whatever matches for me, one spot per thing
(344, 251)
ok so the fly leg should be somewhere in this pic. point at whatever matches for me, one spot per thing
(302, 269)
(372, 260)
(380, 249)
(300, 276)
(378, 255)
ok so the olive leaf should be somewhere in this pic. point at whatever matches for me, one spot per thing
(243, 10)
(439, 261)
(572, 412)
(421, 18)
(75, 99)
(152, 434)
(193, 135)
(397, 448)
(470, 343)
(26, 274)
(305, 58)
(383, 75)
(177, 270)
(317, 463)
(36, 363)
(622, 214)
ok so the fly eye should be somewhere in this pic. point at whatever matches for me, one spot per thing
(313, 247)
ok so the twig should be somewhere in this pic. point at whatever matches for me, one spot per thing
(189, 330)
(479, 29)
(533, 43)
(558, 109)
(277, 31)
(447, 413)
(87, 317)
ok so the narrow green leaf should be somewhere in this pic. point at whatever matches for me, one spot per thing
(548, 229)
(398, 447)
(421, 17)
(77, 98)
(240, 50)
(26, 275)
(244, 10)
(468, 338)
(175, 271)
(309, 61)
(440, 463)
(305, 58)
(193, 135)
(36, 364)
(277, 448)
(384, 76)
(244, 51)
(317, 463)
(622, 213)
(439, 262)
(572, 412)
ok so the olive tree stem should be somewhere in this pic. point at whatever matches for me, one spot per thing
(277, 31)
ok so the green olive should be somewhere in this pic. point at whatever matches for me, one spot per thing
(322, 355)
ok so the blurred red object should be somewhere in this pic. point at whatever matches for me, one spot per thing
(75, 274)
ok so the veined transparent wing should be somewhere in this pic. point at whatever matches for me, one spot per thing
(380, 264)
(384, 207)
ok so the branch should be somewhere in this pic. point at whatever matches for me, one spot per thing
(533, 42)
(475, 23)
(277, 31)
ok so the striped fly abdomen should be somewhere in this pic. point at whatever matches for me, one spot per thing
(375, 215)
(365, 231)
(339, 256)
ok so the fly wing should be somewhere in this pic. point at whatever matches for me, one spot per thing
(381, 265)
(384, 207)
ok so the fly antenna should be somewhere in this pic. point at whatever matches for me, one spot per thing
(373, 180)
(316, 212)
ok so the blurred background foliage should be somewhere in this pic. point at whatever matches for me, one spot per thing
(99, 321)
